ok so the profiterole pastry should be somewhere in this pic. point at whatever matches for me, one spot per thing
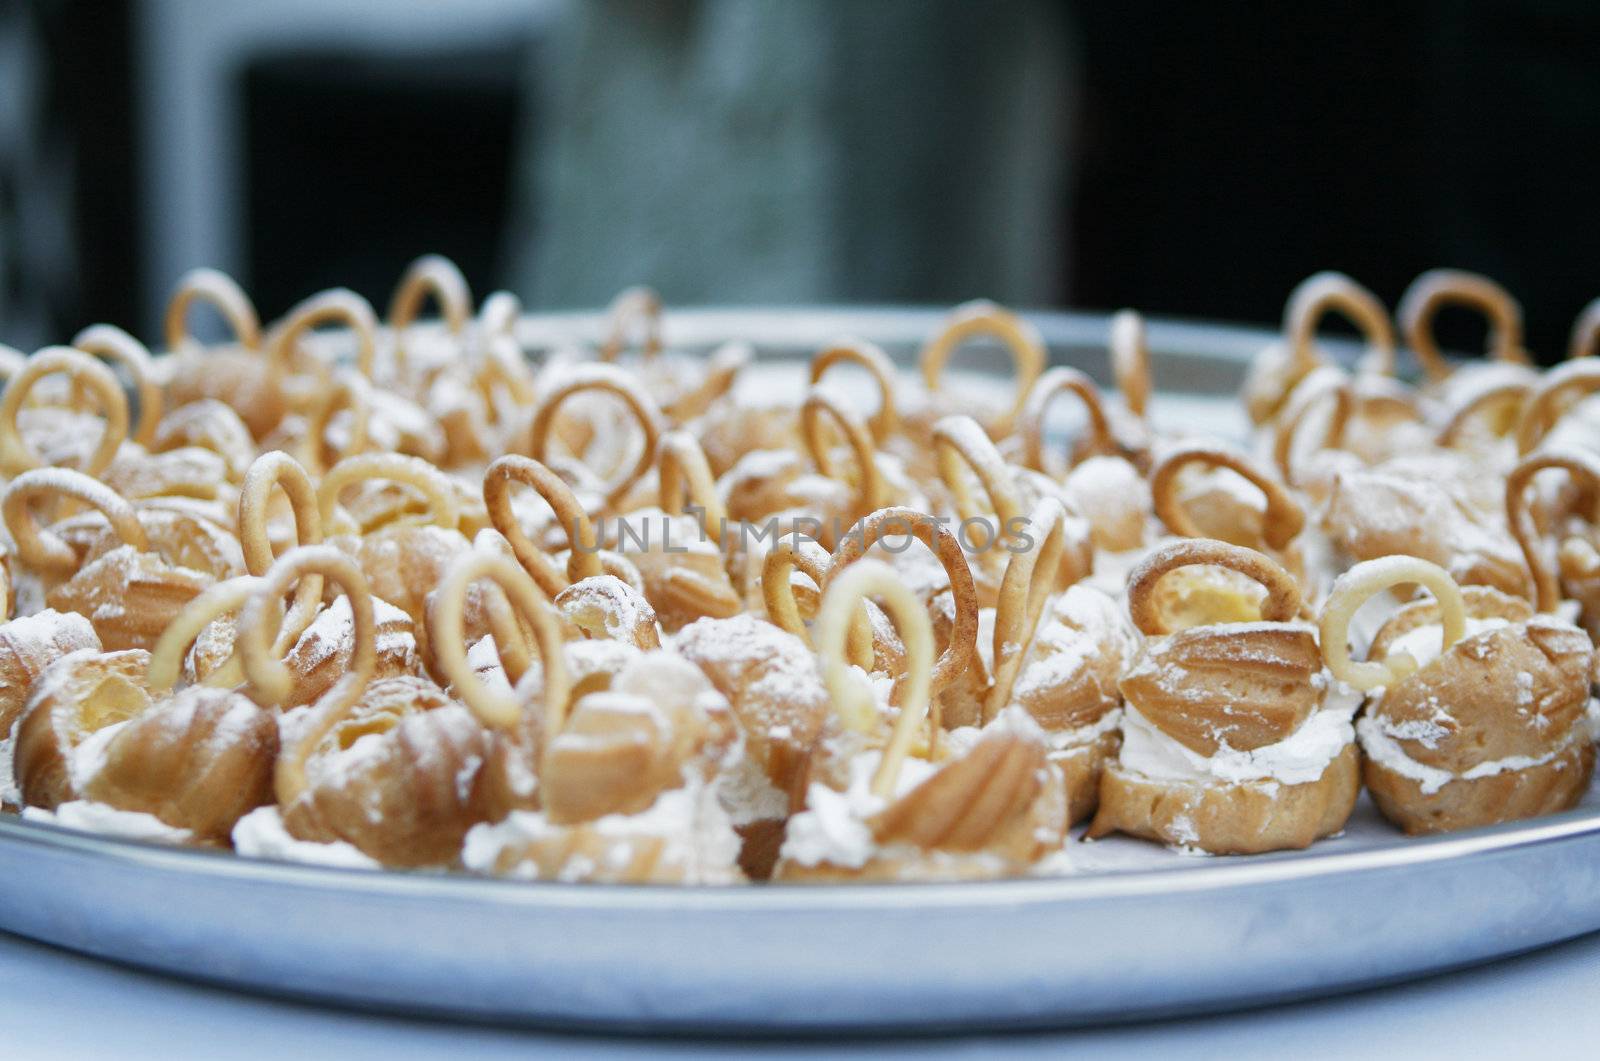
(1477, 705)
(1235, 738)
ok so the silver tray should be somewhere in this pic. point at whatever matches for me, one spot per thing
(1137, 932)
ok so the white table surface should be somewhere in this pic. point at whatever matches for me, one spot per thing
(59, 1006)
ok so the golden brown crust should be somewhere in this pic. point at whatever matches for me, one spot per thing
(1512, 691)
(1512, 795)
(30, 644)
(1081, 768)
(199, 761)
(1244, 686)
(1229, 819)
(77, 695)
(409, 797)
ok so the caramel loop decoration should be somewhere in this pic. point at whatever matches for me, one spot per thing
(1559, 389)
(279, 470)
(271, 680)
(1130, 361)
(1283, 519)
(851, 698)
(430, 275)
(414, 472)
(1437, 288)
(634, 308)
(1031, 576)
(602, 379)
(1281, 605)
(583, 540)
(1585, 471)
(985, 318)
(886, 421)
(870, 490)
(1053, 384)
(115, 345)
(1353, 589)
(1307, 396)
(44, 550)
(497, 317)
(960, 444)
(494, 708)
(1331, 292)
(793, 553)
(962, 650)
(1585, 333)
(347, 390)
(84, 371)
(685, 476)
(339, 306)
(216, 601)
(219, 290)
(1505, 401)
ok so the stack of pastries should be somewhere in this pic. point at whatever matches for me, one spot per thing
(402, 593)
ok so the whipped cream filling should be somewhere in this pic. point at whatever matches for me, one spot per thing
(1424, 644)
(1299, 758)
(833, 828)
(700, 839)
(9, 791)
(1070, 740)
(747, 793)
(1383, 748)
(107, 820)
(261, 834)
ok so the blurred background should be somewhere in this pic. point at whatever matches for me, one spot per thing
(1181, 159)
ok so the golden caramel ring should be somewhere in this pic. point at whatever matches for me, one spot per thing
(1365, 580)
(1512, 397)
(1283, 594)
(1031, 576)
(886, 421)
(1585, 333)
(432, 275)
(216, 601)
(583, 540)
(1053, 384)
(221, 292)
(1557, 392)
(817, 405)
(272, 681)
(340, 307)
(1284, 518)
(684, 472)
(634, 307)
(493, 708)
(1130, 361)
(84, 371)
(44, 550)
(793, 553)
(498, 316)
(982, 317)
(841, 602)
(1305, 397)
(279, 470)
(602, 379)
(117, 346)
(347, 390)
(960, 440)
(1585, 471)
(1331, 292)
(961, 652)
(1437, 288)
(414, 472)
